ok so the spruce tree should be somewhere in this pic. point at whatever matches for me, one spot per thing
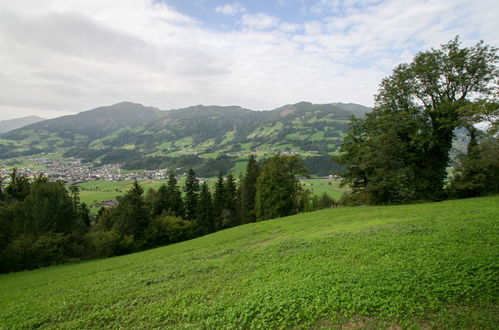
(248, 190)
(175, 204)
(191, 195)
(219, 200)
(229, 212)
(205, 220)
(132, 215)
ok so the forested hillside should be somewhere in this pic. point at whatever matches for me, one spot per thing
(200, 137)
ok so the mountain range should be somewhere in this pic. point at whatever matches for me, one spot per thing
(207, 138)
(12, 124)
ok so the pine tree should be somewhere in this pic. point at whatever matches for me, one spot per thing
(175, 202)
(229, 213)
(219, 200)
(248, 190)
(132, 215)
(191, 195)
(205, 219)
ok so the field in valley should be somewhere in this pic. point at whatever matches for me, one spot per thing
(432, 265)
(98, 191)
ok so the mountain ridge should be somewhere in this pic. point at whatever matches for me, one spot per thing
(142, 137)
(12, 124)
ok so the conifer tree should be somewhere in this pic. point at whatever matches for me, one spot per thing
(229, 212)
(219, 200)
(205, 219)
(191, 195)
(175, 203)
(132, 215)
(248, 190)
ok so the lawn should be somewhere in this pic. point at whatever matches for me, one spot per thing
(429, 265)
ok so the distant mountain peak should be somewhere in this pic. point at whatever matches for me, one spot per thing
(12, 124)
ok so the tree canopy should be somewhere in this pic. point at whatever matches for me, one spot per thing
(400, 151)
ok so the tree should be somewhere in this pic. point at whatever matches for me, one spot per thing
(400, 151)
(191, 195)
(248, 190)
(278, 187)
(131, 216)
(18, 187)
(477, 173)
(48, 207)
(175, 203)
(205, 220)
(219, 200)
(229, 213)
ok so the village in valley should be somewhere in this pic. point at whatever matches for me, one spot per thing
(73, 171)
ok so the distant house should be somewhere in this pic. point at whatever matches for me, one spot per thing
(108, 203)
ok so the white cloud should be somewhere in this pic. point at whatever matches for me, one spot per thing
(259, 21)
(231, 9)
(68, 56)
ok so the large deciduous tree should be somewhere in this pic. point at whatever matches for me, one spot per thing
(400, 151)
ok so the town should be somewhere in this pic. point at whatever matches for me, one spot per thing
(73, 171)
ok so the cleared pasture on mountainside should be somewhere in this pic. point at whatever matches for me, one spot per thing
(424, 265)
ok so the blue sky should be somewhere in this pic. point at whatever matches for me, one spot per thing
(64, 56)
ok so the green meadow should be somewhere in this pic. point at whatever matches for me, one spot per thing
(98, 191)
(433, 265)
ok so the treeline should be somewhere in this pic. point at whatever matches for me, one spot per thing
(42, 223)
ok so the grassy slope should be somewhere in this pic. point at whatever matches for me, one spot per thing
(426, 265)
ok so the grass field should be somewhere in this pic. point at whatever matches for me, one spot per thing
(417, 266)
(98, 191)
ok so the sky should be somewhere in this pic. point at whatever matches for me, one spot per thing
(61, 57)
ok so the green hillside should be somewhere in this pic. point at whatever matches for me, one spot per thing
(201, 137)
(419, 266)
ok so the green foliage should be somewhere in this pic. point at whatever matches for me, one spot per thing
(102, 244)
(18, 187)
(167, 230)
(278, 187)
(414, 266)
(230, 211)
(191, 195)
(400, 151)
(131, 215)
(219, 200)
(248, 191)
(206, 219)
(477, 173)
(48, 208)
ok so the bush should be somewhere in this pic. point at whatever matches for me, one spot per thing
(18, 254)
(50, 249)
(102, 244)
(168, 229)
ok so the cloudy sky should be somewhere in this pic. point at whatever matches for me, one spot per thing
(65, 56)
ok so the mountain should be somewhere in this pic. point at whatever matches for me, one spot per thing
(199, 136)
(12, 124)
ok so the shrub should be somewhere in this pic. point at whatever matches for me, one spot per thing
(102, 243)
(168, 229)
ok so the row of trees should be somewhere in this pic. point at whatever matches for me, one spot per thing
(400, 151)
(42, 223)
